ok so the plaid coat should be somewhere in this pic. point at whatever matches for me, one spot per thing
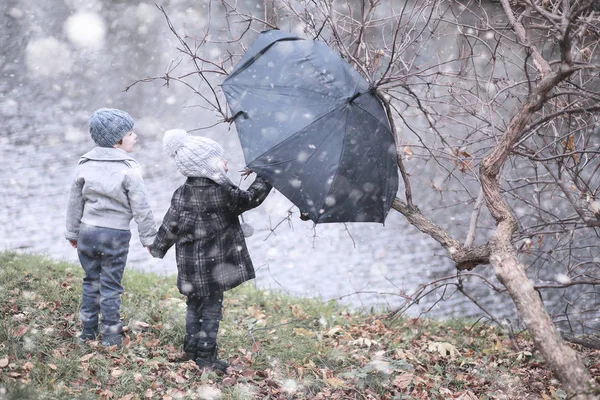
(202, 222)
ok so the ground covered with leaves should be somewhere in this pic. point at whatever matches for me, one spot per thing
(278, 347)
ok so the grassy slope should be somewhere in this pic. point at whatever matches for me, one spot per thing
(279, 347)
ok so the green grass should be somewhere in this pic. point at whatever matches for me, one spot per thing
(280, 347)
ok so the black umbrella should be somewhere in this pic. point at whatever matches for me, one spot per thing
(309, 124)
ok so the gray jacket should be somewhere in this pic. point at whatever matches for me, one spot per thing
(108, 191)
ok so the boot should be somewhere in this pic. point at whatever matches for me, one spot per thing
(190, 347)
(109, 340)
(206, 358)
(88, 334)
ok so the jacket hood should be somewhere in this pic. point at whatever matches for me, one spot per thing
(106, 154)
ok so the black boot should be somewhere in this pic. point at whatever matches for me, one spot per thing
(190, 347)
(206, 358)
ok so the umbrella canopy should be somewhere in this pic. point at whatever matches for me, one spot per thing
(309, 125)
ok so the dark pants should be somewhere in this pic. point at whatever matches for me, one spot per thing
(202, 318)
(103, 254)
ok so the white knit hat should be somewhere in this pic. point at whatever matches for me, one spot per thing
(196, 156)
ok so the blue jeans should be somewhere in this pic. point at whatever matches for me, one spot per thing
(202, 318)
(103, 254)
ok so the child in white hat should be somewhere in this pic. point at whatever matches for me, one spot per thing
(211, 251)
(106, 193)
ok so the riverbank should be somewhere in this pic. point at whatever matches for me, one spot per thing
(279, 347)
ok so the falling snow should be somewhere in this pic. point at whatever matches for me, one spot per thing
(86, 30)
(48, 57)
(59, 115)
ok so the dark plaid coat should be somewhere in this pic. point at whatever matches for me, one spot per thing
(202, 222)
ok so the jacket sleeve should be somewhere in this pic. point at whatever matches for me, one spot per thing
(75, 207)
(244, 200)
(138, 200)
(167, 232)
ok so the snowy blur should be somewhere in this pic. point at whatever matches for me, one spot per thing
(63, 59)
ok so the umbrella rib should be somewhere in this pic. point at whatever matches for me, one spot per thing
(286, 87)
(371, 114)
(280, 144)
(378, 160)
(336, 171)
(259, 54)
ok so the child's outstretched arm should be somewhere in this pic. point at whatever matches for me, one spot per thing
(244, 200)
(167, 232)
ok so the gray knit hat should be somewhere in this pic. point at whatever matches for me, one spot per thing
(196, 155)
(109, 125)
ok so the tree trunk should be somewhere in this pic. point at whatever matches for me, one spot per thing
(561, 358)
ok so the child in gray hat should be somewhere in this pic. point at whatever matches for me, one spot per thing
(106, 193)
(211, 251)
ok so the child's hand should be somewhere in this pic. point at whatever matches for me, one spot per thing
(73, 243)
(246, 172)
(304, 216)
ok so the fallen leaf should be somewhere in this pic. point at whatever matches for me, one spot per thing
(106, 394)
(303, 332)
(380, 325)
(176, 377)
(4, 362)
(403, 380)
(297, 312)
(52, 367)
(468, 395)
(443, 348)
(139, 325)
(229, 381)
(364, 342)
(334, 382)
(20, 331)
(28, 366)
(87, 357)
(127, 397)
(257, 313)
(152, 343)
(498, 346)
(333, 331)
(405, 355)
(116, 372)
(256, 347)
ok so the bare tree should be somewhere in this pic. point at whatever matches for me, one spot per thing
(494, 103)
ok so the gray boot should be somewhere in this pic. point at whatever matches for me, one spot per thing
(109, 340)
(206, 358)
(190, 347)
(88, 334)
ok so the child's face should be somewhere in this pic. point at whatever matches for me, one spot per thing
(127, 142)
(225, 167)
